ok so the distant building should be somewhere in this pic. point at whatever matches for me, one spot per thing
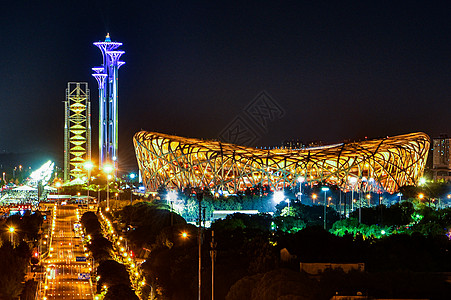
(293, 144)
(313, 144)
(441, 162)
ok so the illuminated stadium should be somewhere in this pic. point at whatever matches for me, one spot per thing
(372, 165)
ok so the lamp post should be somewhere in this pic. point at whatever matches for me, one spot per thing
(98, 196)
(279, 196)
(11, 235)
(58, 185)
(353, 181)
(325, 189)
(132, 176)
(108, 168)
(199, 196)
(88, 166)
(213, 253)
(300, 180)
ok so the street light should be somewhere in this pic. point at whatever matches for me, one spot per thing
(58, 185)
(108, 168)
(279, 196)
(422, 181)
(314, 196)
(325, 189)
(353, 181)
(132, 176)
(88, 166)
(11, 237)
(300, 180)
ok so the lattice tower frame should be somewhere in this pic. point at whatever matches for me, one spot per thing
(77, 130)
(373, 165)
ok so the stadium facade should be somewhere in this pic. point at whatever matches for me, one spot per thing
(372, 165)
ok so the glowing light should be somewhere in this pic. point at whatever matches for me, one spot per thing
(279, 196)
(88, 165)
(108, 168)
(422, 181)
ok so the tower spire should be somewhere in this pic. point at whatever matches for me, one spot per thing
(107, 79)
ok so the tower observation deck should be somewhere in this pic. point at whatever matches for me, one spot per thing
(107, 79)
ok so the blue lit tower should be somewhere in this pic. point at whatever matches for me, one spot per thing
(107, 78)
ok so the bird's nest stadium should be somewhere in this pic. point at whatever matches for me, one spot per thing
(372, 165)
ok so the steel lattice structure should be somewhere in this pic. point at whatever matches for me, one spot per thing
(77, 130)
(370, 165)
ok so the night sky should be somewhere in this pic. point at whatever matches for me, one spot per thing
(339, 70)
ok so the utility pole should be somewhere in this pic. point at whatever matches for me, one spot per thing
(213, 259)
(200, 195)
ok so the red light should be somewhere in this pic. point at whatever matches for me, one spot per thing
(131, 253)
(36, 254)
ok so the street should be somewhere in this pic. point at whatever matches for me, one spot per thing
(67, 266)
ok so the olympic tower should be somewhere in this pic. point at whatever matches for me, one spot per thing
(107, 78)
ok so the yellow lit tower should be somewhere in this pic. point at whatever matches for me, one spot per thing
(77, 130)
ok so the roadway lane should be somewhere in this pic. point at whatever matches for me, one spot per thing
(62, 269)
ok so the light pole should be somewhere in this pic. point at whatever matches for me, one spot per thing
(325, 189)
(98, 196)
(108, 168)
(132, 176)
(279, 196)
(353, 181)
(11, 235)
(58, 185)
(199, 196)
(88, 166)
(213, 259)
(300, 180)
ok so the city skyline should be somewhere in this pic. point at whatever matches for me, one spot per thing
(337, 71)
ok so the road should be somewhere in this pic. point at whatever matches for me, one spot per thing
(62, 268)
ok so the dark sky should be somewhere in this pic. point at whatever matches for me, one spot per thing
(339, 70)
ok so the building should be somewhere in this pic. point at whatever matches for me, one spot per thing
(371, 165)
(107, 79)
(293, 144)
(77, 130)
(441, 162)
